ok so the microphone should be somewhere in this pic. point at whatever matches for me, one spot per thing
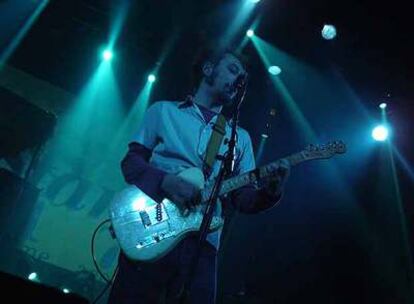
(240, 85)
(240, 81)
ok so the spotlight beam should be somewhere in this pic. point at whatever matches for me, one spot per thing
(4, 56)
(267, 51)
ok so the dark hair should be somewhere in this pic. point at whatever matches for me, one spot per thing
(214, 56)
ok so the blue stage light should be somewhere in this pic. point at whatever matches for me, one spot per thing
(380, 133)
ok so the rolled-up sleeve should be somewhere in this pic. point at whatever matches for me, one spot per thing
(148, 132)
(135, 164)
(137, 171)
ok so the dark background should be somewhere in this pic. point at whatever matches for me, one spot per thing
(338, 236)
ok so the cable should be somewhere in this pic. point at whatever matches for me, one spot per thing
(108, 281)
(106, 286)
(93, 250)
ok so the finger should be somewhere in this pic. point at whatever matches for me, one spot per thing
(282, 171)
(179, 201)
(199, 198)
(284, 163)
(284, 168)
(195, 201)
(185, 212)
(273, 182)
(189, 205)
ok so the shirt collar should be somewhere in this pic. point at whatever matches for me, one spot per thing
(188, 102)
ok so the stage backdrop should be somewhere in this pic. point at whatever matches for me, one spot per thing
(78, 170)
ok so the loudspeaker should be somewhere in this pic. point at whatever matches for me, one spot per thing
(18, 290)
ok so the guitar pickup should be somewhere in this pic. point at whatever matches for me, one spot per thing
(145, 218)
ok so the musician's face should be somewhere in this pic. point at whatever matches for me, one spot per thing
(223, 76)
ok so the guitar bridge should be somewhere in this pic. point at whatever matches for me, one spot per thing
(156, 238)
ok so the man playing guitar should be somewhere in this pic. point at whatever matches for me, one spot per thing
(172, 138)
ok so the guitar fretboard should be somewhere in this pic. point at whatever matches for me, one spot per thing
(264, 171)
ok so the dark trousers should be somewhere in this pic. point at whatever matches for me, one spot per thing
(162, 280)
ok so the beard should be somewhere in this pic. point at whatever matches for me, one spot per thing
(226, 96)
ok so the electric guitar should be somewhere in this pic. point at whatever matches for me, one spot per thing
(147, 230)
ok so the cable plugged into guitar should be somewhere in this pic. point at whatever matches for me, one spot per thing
(112, 232)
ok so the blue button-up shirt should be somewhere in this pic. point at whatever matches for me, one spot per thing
(177, 135)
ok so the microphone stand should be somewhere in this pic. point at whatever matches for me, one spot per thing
(226, 169)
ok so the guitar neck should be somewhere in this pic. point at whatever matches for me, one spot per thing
(262, 172)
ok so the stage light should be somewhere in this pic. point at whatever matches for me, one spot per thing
(274, 70)
(383, 105)
(328, 32)
(107, 55)
(33, 276)
(250, 33)
(65, 290)
(255, 1)
(151, 78)
(380, 133)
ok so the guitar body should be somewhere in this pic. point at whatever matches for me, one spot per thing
(147, 230)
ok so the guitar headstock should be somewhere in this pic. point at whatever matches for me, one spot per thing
(325, 151)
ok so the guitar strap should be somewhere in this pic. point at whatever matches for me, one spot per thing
(214, 144)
